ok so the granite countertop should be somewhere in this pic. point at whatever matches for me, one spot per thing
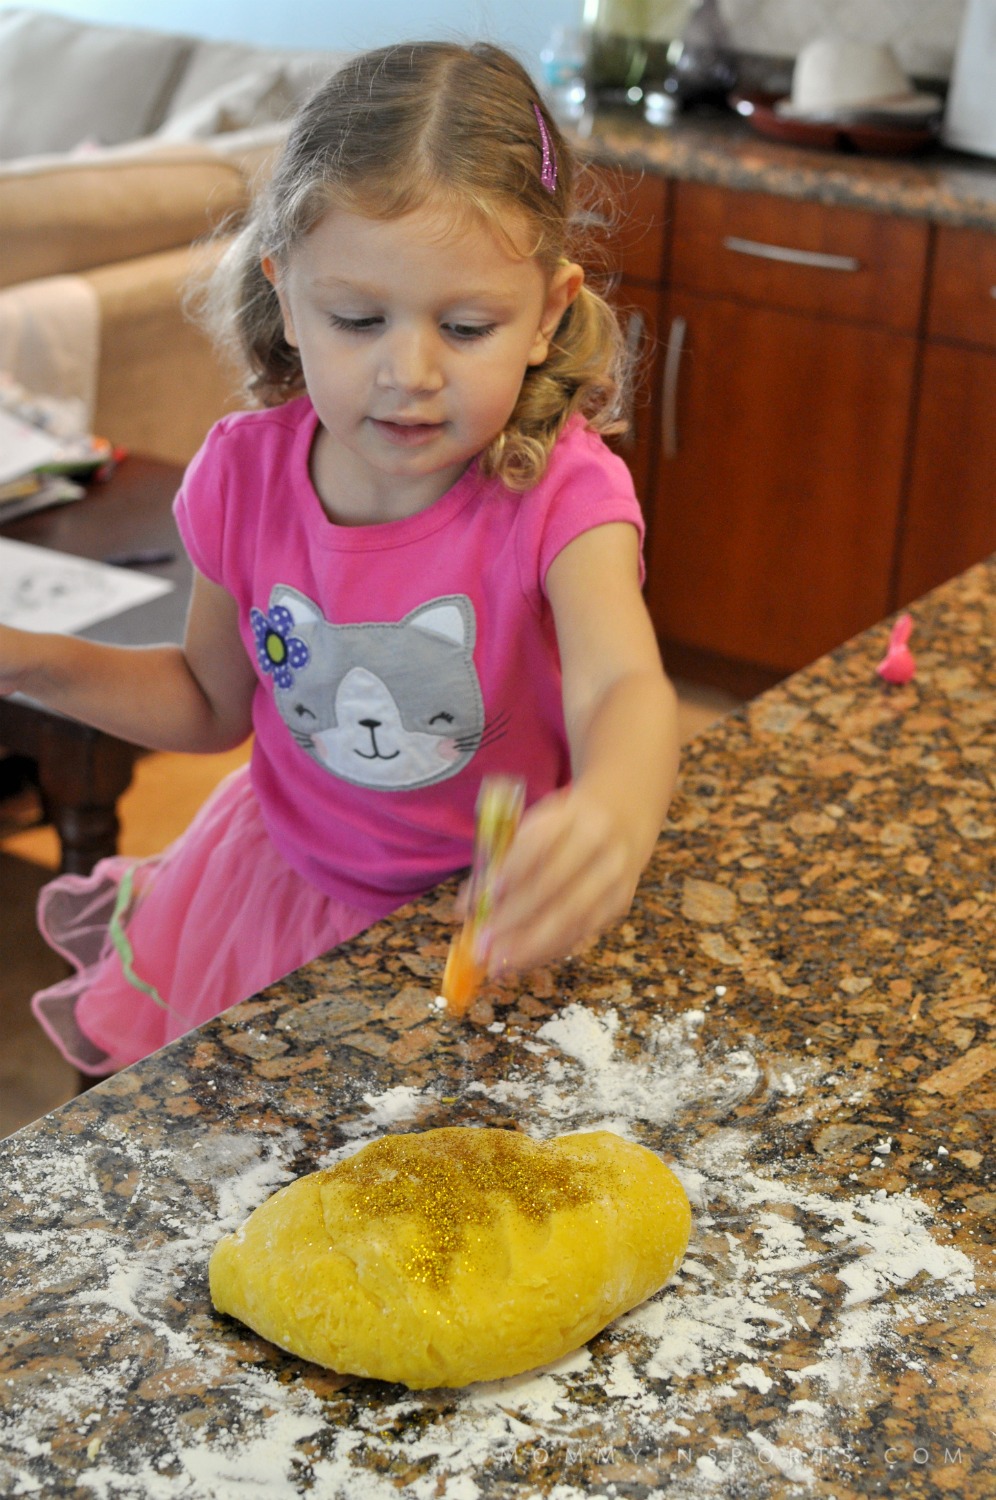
(798, 1015)
(948, 187)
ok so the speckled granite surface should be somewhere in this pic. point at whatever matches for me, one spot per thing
(798, 1015)
(948, 187)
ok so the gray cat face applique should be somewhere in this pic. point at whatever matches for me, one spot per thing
(391, 706)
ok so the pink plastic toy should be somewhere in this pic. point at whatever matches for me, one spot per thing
(897, 665)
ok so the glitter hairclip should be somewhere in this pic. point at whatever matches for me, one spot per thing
(548, 171)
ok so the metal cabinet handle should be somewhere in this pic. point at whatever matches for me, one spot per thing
(636, 325)
(992, 291)
(672, 367)
(813, 258)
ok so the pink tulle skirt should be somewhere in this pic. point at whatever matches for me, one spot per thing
(160, 945)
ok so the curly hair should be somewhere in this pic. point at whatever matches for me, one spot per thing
(390, 130)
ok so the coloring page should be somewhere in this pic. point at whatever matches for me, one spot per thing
(45, 590)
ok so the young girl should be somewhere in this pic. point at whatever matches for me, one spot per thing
(416, 563)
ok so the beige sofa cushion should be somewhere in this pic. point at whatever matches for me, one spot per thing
(68, 215)
(161, 384)
(214, 66)
(260, 96)
(111, 83)
(306, 70)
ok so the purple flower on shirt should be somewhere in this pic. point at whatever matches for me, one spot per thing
(277, 650)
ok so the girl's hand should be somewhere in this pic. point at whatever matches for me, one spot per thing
(574, 864)
(570, 873)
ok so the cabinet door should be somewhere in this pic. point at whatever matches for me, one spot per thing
(951, 512)
(804, 257)
(962, 302)
(779, 478)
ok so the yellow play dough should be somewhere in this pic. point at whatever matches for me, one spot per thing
(455, 1255)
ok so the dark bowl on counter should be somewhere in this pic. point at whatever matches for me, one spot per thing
(872, 134)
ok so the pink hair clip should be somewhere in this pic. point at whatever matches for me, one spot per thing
(897, 665)
(548, 171)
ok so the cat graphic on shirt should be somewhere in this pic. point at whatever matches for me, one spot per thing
(387, 705)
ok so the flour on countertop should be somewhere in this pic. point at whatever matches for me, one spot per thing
(772, 1258)
(384, 1111)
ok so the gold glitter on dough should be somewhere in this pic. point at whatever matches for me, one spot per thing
(450, 1180)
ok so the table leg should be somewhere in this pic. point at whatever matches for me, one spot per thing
(80, 784)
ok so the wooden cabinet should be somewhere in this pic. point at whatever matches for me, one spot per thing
(815, 430)
(789, 373)
(779, 490)
(950, 519)
(805, 257)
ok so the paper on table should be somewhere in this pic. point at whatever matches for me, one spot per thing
(45, 590)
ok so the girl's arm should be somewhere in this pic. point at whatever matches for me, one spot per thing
(574, 865)
(197, 696)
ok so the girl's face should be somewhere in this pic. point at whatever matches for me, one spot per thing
(414, 337)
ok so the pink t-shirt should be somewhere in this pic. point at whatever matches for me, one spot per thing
(397, 663)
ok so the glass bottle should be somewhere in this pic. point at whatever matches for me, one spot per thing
(702, 67)
(628, 43)
(562, 70)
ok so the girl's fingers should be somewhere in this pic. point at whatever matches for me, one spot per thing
(569, 914)
(536, 864)
(567, 876)
(546, 940)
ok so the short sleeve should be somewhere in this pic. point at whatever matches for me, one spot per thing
(198, 508)
(585, 485)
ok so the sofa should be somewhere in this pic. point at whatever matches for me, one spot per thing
(126, 156)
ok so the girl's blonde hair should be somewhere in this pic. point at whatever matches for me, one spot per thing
(387, 132)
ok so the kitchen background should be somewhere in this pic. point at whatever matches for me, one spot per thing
(923, 32)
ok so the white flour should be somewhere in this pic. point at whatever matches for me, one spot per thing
(772, 1258)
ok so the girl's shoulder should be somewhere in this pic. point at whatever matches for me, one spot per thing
(263, 425)
(585, 486)
(581, 453)
(246, 449)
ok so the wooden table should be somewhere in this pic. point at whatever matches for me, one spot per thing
(81, 771)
